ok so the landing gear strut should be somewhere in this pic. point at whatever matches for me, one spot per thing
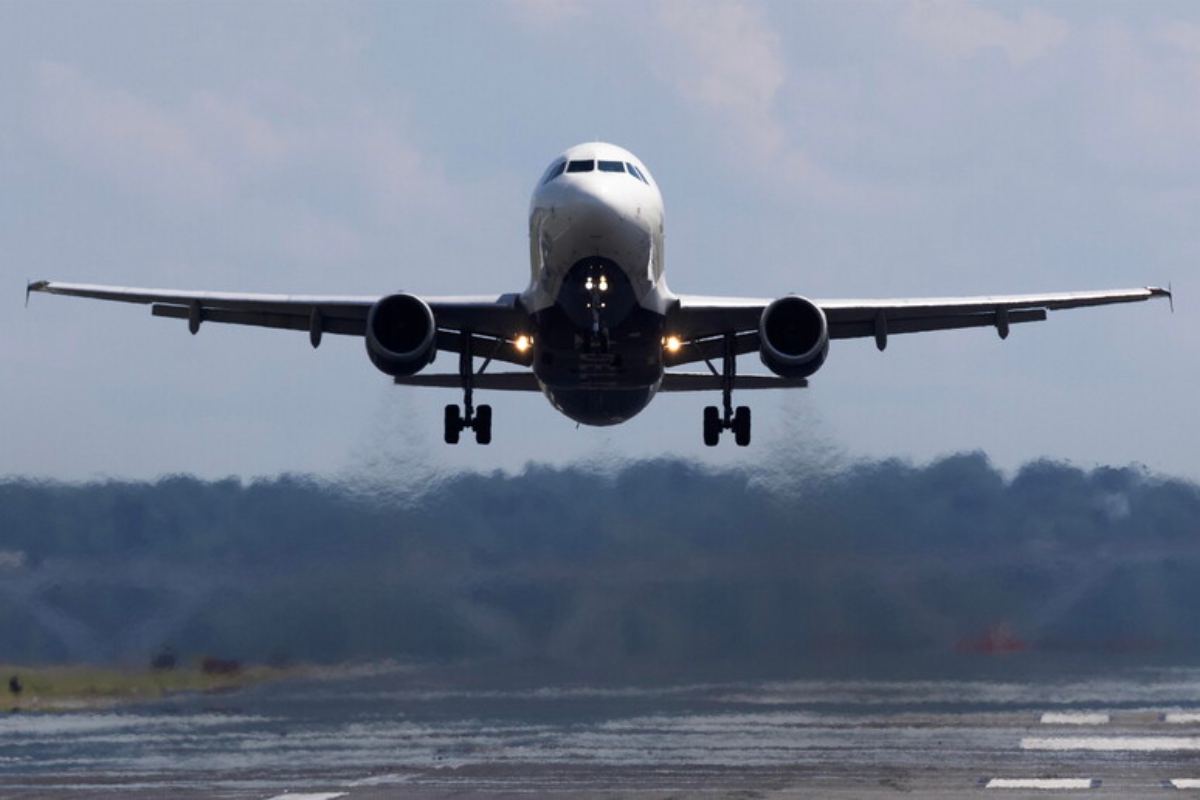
(726, 418)
(477, 419)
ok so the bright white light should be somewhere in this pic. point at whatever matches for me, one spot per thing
(603, 284)
(672, 344)
(523, 343)
(588, 284)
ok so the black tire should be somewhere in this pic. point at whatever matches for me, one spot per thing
(712, 426)
(741, 426)
(454, 424)
(483, 425)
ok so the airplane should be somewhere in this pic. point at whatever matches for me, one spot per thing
(597, 330)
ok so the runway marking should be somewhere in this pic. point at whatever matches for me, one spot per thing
(308, 796)
(1110, 744)
(1186, 783)
(1181, 717)
(1074, 718)
(1042, 783)
(381, 780)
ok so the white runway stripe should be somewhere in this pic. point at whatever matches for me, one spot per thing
(1074, 718)
(1141, 744)
(1042, 783)
(308, 796)
(1182, 717)
(1186, 783)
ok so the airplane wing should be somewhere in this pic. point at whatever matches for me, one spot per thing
(702, 322)
(492, 320)
(671, 382)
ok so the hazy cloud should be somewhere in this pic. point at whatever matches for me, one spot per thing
(725, 59)
(115, 133)
(961, 29)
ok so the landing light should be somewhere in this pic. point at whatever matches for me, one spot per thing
(523, 343)
(672, 344)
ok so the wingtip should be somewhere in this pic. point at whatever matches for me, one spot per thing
(1169, 293)
(35, 286)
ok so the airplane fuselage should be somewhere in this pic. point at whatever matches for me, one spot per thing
(597, 293)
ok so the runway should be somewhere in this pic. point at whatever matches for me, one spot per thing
(382, 735)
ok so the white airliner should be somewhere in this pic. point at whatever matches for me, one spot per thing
(597, 329)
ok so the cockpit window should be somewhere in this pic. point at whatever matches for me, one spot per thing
(581, 166)
(637, 173)
(612, 166)
(555, 170)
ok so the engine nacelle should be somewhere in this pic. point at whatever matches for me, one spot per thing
(793, 337)
(401, 334)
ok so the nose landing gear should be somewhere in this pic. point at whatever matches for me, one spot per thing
(477, 419)
(726, 418)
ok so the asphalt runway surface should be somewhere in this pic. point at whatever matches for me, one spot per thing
(380, 735)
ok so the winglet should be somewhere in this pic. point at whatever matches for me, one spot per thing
(1158, 291)
(32, 286)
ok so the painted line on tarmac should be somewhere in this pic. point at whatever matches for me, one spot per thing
(308, 796)
(1181, 717)
(387, 779)
(1043, 783)
(1112, 744)
(1074, 718)
(1184, 783)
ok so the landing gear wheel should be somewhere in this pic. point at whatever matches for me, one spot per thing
(454, 424)
(712, 426)
(741, 426)
(483, 425)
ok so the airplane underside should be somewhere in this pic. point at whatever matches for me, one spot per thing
(597, 353)
(598, 358)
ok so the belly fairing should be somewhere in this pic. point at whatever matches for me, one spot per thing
(599, 353)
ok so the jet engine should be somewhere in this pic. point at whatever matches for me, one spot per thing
(401, 334)
(793, 337)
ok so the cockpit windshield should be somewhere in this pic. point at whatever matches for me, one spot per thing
(555, 170)
(592, 165)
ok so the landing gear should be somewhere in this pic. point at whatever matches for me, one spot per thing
(477, 419)
(454, 424)
(726, 418)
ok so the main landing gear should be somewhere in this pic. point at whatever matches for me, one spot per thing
(477, 419)
(726, 418)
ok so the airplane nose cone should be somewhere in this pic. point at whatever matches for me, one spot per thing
(595, 205)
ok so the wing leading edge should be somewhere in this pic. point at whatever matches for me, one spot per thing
(492, 320)
(701, 322)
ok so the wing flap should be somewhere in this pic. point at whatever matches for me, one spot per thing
(264, 319)
(707, 382)
(992, 319)
(494, 381)
(696, 318)
(495, 316)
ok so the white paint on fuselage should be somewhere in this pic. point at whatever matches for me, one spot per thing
(608, 214)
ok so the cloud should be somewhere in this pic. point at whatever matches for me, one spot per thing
(117, 134)
(228, 151)
(1184, 36)
(210, 146)
(958, 29)
(725, 59)
(547, 13)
